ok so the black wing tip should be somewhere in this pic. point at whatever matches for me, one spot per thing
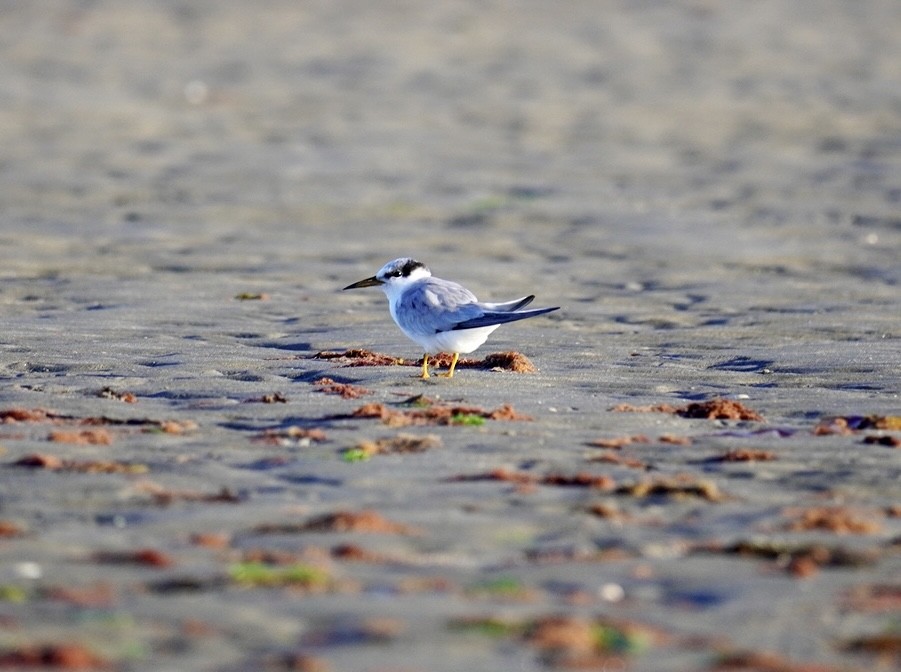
(539, 311)
(492, 318)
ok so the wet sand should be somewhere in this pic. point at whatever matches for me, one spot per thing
(709, 190)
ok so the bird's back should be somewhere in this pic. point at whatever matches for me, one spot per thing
(432, 306)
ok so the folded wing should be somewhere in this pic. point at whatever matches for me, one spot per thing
(438, 305)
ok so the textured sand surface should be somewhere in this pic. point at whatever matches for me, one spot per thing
(711, 190)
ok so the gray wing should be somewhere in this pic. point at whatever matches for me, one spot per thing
(435, 306)
(440, 305)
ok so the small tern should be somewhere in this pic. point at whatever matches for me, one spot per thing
(440, 315)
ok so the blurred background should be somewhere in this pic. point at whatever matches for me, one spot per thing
(350, 128)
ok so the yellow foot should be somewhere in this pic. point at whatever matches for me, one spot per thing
(450, 371)
(425, 366)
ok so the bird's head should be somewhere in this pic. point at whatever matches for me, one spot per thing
(395, 275)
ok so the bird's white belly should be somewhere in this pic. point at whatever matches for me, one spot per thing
(460, 340)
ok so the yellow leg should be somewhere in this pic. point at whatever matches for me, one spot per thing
(425, 366)
(450, 371)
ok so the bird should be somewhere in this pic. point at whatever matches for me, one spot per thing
(441, 315)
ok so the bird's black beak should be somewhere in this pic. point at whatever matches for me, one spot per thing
(368, 282)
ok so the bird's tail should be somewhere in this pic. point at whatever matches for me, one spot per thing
(509, 306)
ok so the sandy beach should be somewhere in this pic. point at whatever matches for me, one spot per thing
(702, 473)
